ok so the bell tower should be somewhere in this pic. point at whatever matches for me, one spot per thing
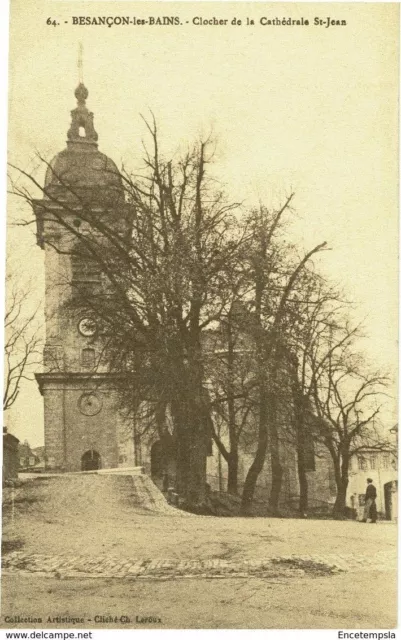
(84, 428)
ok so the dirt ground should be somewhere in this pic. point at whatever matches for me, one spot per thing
(365, 601)
(105, 515)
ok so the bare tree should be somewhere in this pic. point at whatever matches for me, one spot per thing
(22, 339)
(170, 246)
(231, 371)
(314, 309)
(273, 274)
(347, 399)
(163, 253)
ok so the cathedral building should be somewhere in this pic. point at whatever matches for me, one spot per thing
(84, 428)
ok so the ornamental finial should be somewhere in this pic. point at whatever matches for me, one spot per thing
(81, 93)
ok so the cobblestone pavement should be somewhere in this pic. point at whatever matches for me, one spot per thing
(271, 567)
(122, 527)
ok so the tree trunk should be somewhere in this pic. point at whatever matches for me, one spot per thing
(277, 477)
(182, 457)
(340, 503)
(267, 412)
(191, 454)
(190, 416)
(300, 439)
(303, 484)
(259, 460)
(165, 439)
(277, 469)
(299, 425)
(342, 486)
(232, 481)
(252, 477)
(196, 490)
(232, 484)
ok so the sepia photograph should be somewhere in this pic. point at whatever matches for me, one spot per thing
(201, 317)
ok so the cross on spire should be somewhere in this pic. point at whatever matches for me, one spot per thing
(80, 63)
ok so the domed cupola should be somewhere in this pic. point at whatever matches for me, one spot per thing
(81, 171)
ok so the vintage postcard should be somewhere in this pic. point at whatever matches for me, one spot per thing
(199, 407)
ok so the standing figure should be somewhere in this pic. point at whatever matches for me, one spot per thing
(370, 510)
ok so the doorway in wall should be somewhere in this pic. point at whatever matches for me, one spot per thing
(90, 461)
(391, 499)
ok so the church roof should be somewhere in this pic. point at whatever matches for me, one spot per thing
(81, 169)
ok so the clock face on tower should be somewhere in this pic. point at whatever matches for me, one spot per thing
(90, 404)
(87, 327)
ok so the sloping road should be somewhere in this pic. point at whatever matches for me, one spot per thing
(118, 530)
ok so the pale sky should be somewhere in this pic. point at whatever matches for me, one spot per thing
(303, 108)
